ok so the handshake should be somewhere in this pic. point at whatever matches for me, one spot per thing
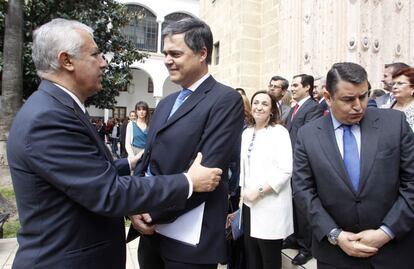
(204, 179)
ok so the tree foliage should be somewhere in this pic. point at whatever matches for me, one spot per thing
(98, 15)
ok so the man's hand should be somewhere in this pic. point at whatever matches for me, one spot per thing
(250, 195)
(354, 248)
(142, 223)
(134, 160)
(374, 238)
(204, 179)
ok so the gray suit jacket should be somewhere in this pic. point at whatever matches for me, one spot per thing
(323, 190)
(307, 112)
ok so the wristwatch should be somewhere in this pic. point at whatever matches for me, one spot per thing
(333, 236)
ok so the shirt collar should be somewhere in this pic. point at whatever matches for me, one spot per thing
(300, 103)
(337, 124)
(74, 97)
(198, 82)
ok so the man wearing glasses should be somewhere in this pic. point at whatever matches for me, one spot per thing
(278, 88)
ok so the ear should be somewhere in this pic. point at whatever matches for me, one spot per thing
(66, 61)
(328, 98)
(203, 54)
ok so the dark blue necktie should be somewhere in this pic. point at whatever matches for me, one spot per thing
(180, 100)
(351, 156)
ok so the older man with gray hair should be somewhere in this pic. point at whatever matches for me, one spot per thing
(71, 195)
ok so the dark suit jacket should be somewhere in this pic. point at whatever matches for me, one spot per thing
(70, 197)
(308, 111)
(122, 135)
(209, 121)
(385, 196)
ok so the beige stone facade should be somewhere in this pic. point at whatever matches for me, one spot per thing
(261, 38)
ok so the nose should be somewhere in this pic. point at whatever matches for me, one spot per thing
(104, 62)
(357, 105)
(168, 60)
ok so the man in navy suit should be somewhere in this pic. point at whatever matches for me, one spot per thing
(305, 110)
(209, 120)
(353, 175)
(71, 195)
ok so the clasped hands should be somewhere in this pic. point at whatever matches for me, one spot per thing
(204, 179)
(363, 244)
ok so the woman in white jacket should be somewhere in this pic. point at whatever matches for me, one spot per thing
(265, 172)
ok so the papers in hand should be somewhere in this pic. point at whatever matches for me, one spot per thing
(186, 228)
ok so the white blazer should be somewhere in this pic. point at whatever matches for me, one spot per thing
(270, 162)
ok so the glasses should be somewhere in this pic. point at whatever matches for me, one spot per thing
(400, 83)
(271, 86)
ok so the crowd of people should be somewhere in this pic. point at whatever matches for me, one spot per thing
(323, 165)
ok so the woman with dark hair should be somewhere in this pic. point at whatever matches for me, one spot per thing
(137, 130)
(403, 90)
(266, 169)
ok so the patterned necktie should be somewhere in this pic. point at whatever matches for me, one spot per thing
(180, 100)
(295, 109)
(351, 156)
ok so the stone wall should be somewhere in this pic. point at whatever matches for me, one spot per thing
(261, 38)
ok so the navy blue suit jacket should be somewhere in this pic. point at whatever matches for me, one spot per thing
(70, 196)
(321, 188)
(209, 121)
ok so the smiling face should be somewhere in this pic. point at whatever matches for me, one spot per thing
(261, 108)
(298, 91)
(349, 103)
(184, 65)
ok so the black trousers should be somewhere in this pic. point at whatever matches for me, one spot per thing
(149, 257)
(321, 265)
(260, 253)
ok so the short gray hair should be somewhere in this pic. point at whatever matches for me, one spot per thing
(53, 37)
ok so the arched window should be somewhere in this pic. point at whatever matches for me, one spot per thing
(172, 18)
(143, 29)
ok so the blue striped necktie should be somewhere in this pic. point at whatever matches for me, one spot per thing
(351, 156)
(180, 100)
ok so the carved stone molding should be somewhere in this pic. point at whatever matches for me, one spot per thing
(365, 42)
(376, 45)
(352, 43)
(399, 4)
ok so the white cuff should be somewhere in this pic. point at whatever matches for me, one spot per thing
(190, 185)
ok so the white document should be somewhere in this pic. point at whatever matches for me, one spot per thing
(186, 228)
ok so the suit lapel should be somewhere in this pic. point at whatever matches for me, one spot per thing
(196, 97)
(369, 141)
(67, 101)
(330, 148)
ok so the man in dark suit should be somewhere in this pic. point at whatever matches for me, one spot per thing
(354, 176)
(209, 120)
(389, 70)
(318, 90)
(278, 87)
(71, 195)
(305, 110)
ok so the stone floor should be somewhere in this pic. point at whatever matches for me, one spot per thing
(8, 249)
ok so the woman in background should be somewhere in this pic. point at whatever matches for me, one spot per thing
(266, 169)
(403, 90)
(137, 130)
